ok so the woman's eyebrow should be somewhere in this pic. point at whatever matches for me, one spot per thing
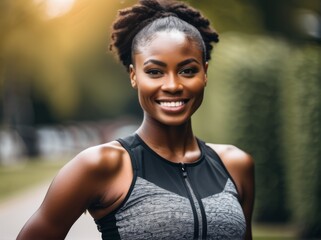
(160, 63)
(155, 62)
(187, 61)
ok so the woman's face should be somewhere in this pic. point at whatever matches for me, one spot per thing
(170, 76)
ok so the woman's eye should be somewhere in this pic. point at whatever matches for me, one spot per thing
(189, 72)
(154, 73)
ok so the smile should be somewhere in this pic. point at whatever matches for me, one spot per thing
(172, 104)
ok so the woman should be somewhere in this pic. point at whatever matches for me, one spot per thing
(161, 182)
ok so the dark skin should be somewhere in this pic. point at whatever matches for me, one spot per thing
(170, 76)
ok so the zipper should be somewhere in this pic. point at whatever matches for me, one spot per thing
(197, 207)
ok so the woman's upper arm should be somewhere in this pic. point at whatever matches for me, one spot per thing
(69, 195)
(247, 183)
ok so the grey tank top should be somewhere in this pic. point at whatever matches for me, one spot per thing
(170, 200)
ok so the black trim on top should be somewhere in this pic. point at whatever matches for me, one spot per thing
(190, 198)
(148, 148)
(200, 203)
(112, 232)
(225, 169)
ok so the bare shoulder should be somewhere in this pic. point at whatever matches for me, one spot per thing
(104, 159)
(232, 155)
(93, 168)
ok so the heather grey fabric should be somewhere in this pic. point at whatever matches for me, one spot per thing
(224, 215)
(150, 213)
(160, 209)
(170, 200)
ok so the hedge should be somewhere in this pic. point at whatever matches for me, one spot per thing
(302, 137)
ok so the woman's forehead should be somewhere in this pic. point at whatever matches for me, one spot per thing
(172, 34)
(170, 42)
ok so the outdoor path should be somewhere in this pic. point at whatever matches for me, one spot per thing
(15, 211)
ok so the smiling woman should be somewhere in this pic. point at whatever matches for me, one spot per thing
(170, 80)
(160, 182)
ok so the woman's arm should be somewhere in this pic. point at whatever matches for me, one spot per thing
(76, 186)
(246, 181)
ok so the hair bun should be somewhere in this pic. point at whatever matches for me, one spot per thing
(152, 5)
(131, 21)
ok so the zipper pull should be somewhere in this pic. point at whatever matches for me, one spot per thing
(183, 170)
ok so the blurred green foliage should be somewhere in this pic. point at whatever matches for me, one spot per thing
(60, 63)
(263, 93)
(301, 87)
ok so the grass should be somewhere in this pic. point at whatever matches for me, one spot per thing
(273, 232)
(19, 177)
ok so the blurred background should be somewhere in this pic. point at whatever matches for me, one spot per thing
(61, 90)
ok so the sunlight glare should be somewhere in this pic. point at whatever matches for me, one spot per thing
(56, 8)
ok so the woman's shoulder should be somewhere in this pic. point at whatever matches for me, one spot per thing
(104, 158)
(95, 174)
(231, 154)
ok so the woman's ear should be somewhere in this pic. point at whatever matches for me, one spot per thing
(132, 75)
(205, 71)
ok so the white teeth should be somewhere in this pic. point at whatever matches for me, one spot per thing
(172, 104)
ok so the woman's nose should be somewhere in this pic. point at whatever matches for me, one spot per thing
(172, 84)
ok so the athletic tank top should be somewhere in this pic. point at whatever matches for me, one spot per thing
(170, 200)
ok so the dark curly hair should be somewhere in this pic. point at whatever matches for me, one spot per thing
(136, 26)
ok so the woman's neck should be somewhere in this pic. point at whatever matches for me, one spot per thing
(176, 143)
